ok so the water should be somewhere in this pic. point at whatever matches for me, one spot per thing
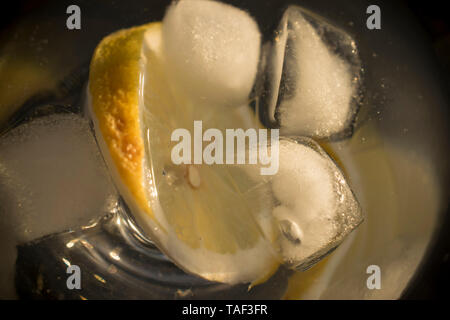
(382, 161)
(318, 211)
(310, 192)
(394, 233)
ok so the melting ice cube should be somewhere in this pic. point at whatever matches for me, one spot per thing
(212, 50)
(52, 177)
(315, 208)
(312, 77)
(312, 206)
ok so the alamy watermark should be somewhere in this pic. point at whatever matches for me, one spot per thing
(234, 150)
(73, 22)
(374, 20)
(74, 280)
(374, 280)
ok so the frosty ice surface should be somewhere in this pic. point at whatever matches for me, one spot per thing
(311, 203)
(312, 77)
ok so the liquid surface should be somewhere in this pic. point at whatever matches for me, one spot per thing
(406, 117)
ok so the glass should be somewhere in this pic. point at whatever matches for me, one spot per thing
(395, 161)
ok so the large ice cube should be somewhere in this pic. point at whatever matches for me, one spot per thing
(316, 208)
(212, 51)
(52, 177)
(312, 77)
(312, 206)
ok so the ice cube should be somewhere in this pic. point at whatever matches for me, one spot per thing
(212, 51)
(315, 207)
(312, 77)
(52, 177)
(309, 204)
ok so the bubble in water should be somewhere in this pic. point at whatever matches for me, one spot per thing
(291, 231)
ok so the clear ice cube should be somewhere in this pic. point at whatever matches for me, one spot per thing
(312, 77)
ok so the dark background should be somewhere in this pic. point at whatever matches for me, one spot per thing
(433, 278)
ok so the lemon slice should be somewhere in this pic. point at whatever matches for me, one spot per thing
(211, 220)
